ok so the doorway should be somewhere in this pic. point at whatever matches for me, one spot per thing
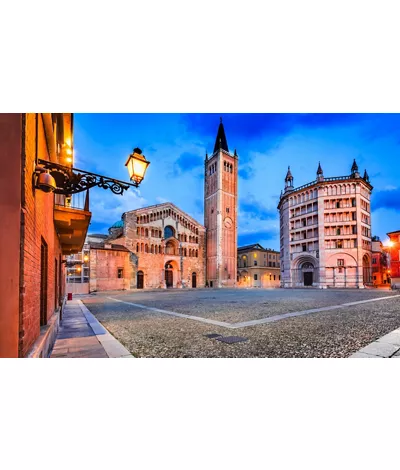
(43, 282)
(140, 280)
(169, 275)
(308, 278)
(194, 280)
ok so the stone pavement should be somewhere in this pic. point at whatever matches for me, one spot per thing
(388, 346)
(81, 335)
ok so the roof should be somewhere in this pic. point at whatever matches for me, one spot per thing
(393, 233)
(255, 246)
(101, 246)
(97, 235)
(118, 224)
(220, 141)
(165, 205)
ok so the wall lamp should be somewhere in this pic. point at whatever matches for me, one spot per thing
(59, 179)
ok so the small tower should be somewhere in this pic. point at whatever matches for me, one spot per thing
(354, 170)
(289, 180)
(320, 173)
(366, 177)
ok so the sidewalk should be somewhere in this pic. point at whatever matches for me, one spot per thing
(81, 335)
(388, 346)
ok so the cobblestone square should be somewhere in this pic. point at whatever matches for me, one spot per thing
(275, 322)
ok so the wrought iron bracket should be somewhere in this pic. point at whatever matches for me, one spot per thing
(72, 180)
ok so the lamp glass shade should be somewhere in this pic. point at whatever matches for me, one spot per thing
(137, 166)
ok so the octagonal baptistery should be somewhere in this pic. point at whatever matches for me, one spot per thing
(168, 247)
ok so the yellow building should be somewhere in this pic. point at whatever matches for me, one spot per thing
(258, 267)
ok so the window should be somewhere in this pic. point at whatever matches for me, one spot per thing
(354, 229)
(340, 262)
(120, 273)
(274, 277)
(353, 202)
(227, 210)
(255, 262)
(339, 244)
(373, 260)
(338, 231)
(255, 277)
(337, 204)
(169, 232)
(304, 247)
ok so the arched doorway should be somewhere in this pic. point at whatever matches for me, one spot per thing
(307, 270)
(194, 280)
(367, 275)
(169, 275)
(140, 280)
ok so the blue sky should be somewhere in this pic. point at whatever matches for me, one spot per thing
(266, 144)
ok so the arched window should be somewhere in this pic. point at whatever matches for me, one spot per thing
(197, 240)
(185, 252)
(142, 231)
(190, 252)
(137, 247)
(146, 233)
(142, 248)
(197, 254)
(169, 232)
(138, 231)
(146, 248)
(152, 249)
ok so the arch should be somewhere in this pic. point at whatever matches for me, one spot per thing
(138, 232)
(142, 247)
(194, 280)
(142, 231)
(140, 280)
(169, 232)
(185, 252)
(146, 233)
(197, 253)
(152, 249)
(159, 249)
(146, 248)
(137, 247)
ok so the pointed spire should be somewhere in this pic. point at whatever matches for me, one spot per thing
(354, 167)
(366, 177)
(235, 153)
(289, 175)
(220, 141)
(206, 155)
(319, 171)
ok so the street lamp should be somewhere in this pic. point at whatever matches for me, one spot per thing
(137, 166)
(53, 177)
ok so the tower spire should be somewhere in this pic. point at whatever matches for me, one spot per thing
(319, 171)
(220, 141)
(354, 167)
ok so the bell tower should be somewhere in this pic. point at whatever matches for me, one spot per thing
(220, 213)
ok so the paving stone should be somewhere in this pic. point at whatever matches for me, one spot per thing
(391, 338)
(379, 349)
(364, 355)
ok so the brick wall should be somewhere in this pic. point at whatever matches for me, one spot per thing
(37, 225)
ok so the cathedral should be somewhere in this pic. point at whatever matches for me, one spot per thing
(161, 246)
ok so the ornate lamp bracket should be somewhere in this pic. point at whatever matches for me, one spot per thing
(72, 180)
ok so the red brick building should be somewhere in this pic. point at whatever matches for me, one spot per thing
(395, 258)
(38, 228)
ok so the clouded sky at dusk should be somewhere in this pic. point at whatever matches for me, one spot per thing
(266, 144)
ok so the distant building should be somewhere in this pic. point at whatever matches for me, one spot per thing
(258, 267)
(380, 263)
(395, 258)
(325, 231)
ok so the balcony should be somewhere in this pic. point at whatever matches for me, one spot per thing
(71, 219)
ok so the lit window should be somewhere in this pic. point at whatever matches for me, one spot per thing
(120, 273)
